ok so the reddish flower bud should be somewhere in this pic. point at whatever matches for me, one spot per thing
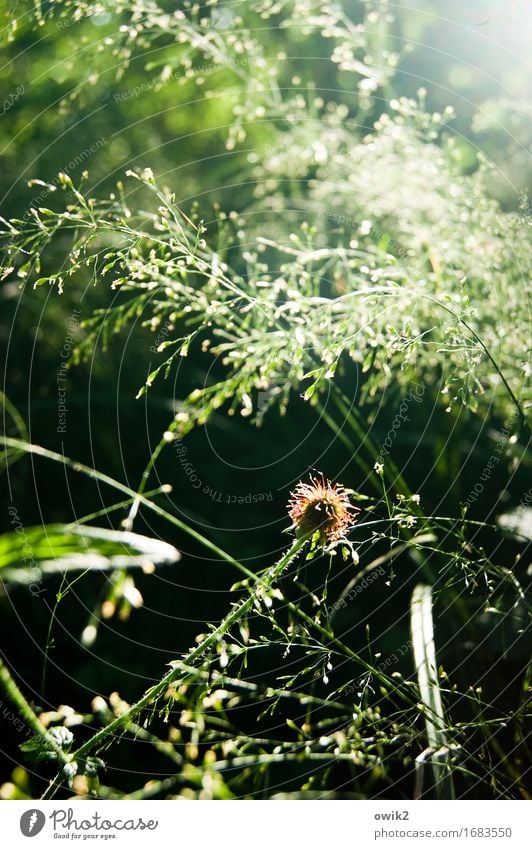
(323, 507)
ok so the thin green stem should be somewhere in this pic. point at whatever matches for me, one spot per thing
(150, 696)
(38, 450)
(61, 593)
(53, 787)
(144, 482)
(106, 510)
(28, 714)
(342, 436)
(351, 414)
(515, 402)
(352, 655)
(360, 429)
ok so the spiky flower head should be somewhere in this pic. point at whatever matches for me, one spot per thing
(323, 508)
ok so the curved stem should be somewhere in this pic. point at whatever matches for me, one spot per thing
(240, 610)
(38, 450)
(28, 714)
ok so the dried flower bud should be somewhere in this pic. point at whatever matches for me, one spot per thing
(323, 507)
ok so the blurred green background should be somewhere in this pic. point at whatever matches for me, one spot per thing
(75, 112)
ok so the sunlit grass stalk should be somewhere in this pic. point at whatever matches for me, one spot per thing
(424, 650)
(360, 428)
(90, 472)
(101, 737)
(210, 546)
(341, 435)
(391, 473)
(259, 582)
(105, 511)
(29, 716)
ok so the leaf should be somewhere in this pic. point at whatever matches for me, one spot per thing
(36, 750)
(29, 554)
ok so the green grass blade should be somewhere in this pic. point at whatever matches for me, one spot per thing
(422, 628)
(29, 554)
